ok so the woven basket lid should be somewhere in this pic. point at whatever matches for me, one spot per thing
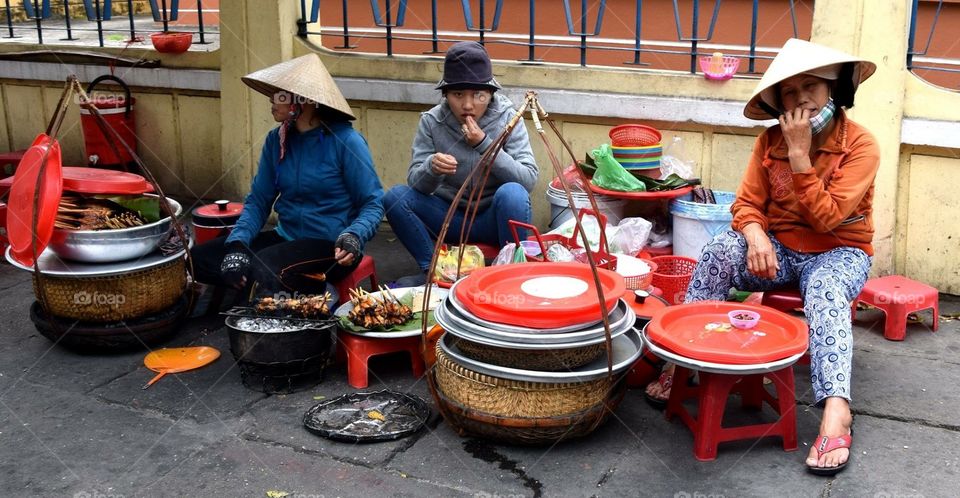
(305, 76)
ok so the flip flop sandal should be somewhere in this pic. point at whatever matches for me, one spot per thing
(824, 444)
(666, 382)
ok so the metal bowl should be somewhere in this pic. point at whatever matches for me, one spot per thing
(108, 246)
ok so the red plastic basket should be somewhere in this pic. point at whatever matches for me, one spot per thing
(643, 280)
(601, 257)
(634, 135)
(673, 276)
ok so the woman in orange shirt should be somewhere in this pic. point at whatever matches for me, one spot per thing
(803, 217)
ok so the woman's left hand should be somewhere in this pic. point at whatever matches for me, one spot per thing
(472, 133)
(795, 126)
(347, 249)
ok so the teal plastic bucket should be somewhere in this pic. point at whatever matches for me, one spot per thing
(695, 224)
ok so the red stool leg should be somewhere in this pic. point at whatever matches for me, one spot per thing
(751, 392)
(895, 326)
(783, 381)
(936, 312)
(358, 352)
(714, 390)
(416, 359)
(678, 393)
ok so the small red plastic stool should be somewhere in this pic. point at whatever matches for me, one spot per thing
(711, 396)
(899, 296)
(489, 251)
(366, 269)
(358, 351)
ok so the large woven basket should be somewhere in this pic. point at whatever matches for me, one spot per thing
(113, 298)
(470, 419)
(548, 360)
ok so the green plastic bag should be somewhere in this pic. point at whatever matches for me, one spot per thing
(611, 175)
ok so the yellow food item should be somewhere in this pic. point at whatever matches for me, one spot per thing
(374, 414)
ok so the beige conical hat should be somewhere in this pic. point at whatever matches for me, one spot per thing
(304, 76)
(797, 57)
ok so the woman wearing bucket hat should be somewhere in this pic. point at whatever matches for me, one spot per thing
(449, 142)
(317, 173)
(803, 217)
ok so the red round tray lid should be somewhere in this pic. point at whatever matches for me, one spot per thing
(539, 295)
(649, 307)
(661, 194)
(103, 181)
(20, 205)
(689, 330)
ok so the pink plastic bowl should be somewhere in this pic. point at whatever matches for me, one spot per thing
(744, 319)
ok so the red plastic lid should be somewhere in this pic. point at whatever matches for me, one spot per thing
(662, 194)
(20, 229)
(538, 295)
(650, 305)
(691, 330)
(220, 213)
(96, 181)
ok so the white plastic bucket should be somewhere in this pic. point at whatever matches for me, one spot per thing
(695, 224)
(611, 207)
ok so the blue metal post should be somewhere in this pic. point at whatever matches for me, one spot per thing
(37, 11)
(693, 37)
(10, 19)
(163, 7)
(482, 21)
(533, 39)
(389, 31)
(753, 36)
(200, 19)
(913, 33)
(583, 32)
(99, 14)
(133, 33)
(346, 29)
(434, 39)
(637, 29)
(66, 18)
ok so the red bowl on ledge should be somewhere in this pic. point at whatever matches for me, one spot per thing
(171, 42)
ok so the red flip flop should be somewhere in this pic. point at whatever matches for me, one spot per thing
(824, 444)
(666, 382)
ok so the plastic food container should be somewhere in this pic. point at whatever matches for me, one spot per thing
(744, 319)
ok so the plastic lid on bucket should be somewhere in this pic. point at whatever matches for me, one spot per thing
(685, 207)
(20, 205)
(221, 213)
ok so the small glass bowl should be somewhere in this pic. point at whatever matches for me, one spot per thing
(744, 319)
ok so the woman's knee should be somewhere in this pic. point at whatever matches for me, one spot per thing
(511, 194)
(395, 196)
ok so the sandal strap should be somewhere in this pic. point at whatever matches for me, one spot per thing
(825, 444)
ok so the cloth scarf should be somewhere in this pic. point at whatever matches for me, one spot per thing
(817, 123)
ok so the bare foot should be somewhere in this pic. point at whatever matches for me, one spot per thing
(836, 422)
(657, 390)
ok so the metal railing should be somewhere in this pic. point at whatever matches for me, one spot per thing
(585, 28)
(98, 12)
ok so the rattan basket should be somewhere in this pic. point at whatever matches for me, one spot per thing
(548, 360)
(510, 398)
(113, 298)
(492, 419)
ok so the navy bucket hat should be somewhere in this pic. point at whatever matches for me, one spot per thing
(467, 66)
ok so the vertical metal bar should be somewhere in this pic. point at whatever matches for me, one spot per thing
(753, 36)
(913, 34)
(434, 40)
(66, 18)
(346, 26)
(389, 31)
(482, 22)
(583, 32)
(200, 19)
(133, 32)
(10, 19)
(533, 39)
(99, 14)
(793, 19)
(163, 8)
(302, 22)
(636, 32)
(38, 15)
(693, 36)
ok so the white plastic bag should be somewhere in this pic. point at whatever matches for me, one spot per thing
(505, 256)
(675, 160)
(630, 236)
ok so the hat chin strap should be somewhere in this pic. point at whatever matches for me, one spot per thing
(769, 109)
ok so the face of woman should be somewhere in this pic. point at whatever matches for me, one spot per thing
(804, 91)
(471, 103)
(281, 105)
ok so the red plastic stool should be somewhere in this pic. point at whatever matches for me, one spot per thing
(358, 351)
(711, 397)
(366, 269)
(899, 296)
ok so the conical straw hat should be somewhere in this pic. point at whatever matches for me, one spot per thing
(304, 76)
(798, 57)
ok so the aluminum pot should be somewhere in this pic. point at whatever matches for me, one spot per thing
(264, 348)
(108, 246)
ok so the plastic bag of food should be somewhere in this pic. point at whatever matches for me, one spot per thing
(448, 259)
(506, 255)
(629, 236)
(558, 253)
(611, 175)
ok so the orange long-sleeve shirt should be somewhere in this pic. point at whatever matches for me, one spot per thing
(829, 205)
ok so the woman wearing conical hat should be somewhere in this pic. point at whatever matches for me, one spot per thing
(450, 139)
(317, 173)
(803, 218)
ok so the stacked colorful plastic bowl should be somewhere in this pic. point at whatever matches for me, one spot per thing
(637, 148)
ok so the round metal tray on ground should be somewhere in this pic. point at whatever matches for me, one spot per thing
(719, 368)
(347, 417)
(490, 338)
(512, 328)
(51, 264)
(625, 349)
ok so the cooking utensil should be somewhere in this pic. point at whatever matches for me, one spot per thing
(174, 360)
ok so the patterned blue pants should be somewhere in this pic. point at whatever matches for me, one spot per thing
(828, 282)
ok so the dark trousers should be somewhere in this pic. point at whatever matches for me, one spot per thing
(278, 266)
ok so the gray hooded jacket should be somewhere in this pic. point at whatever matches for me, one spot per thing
(439, 131)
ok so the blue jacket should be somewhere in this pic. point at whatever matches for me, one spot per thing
(326, 185)
(439, 131)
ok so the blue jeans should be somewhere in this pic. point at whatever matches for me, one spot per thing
(828, 281)
(416, 219)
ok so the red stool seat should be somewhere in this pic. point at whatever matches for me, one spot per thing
(366, 269)
(358, 351)
(711, 396)
(899, 296)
